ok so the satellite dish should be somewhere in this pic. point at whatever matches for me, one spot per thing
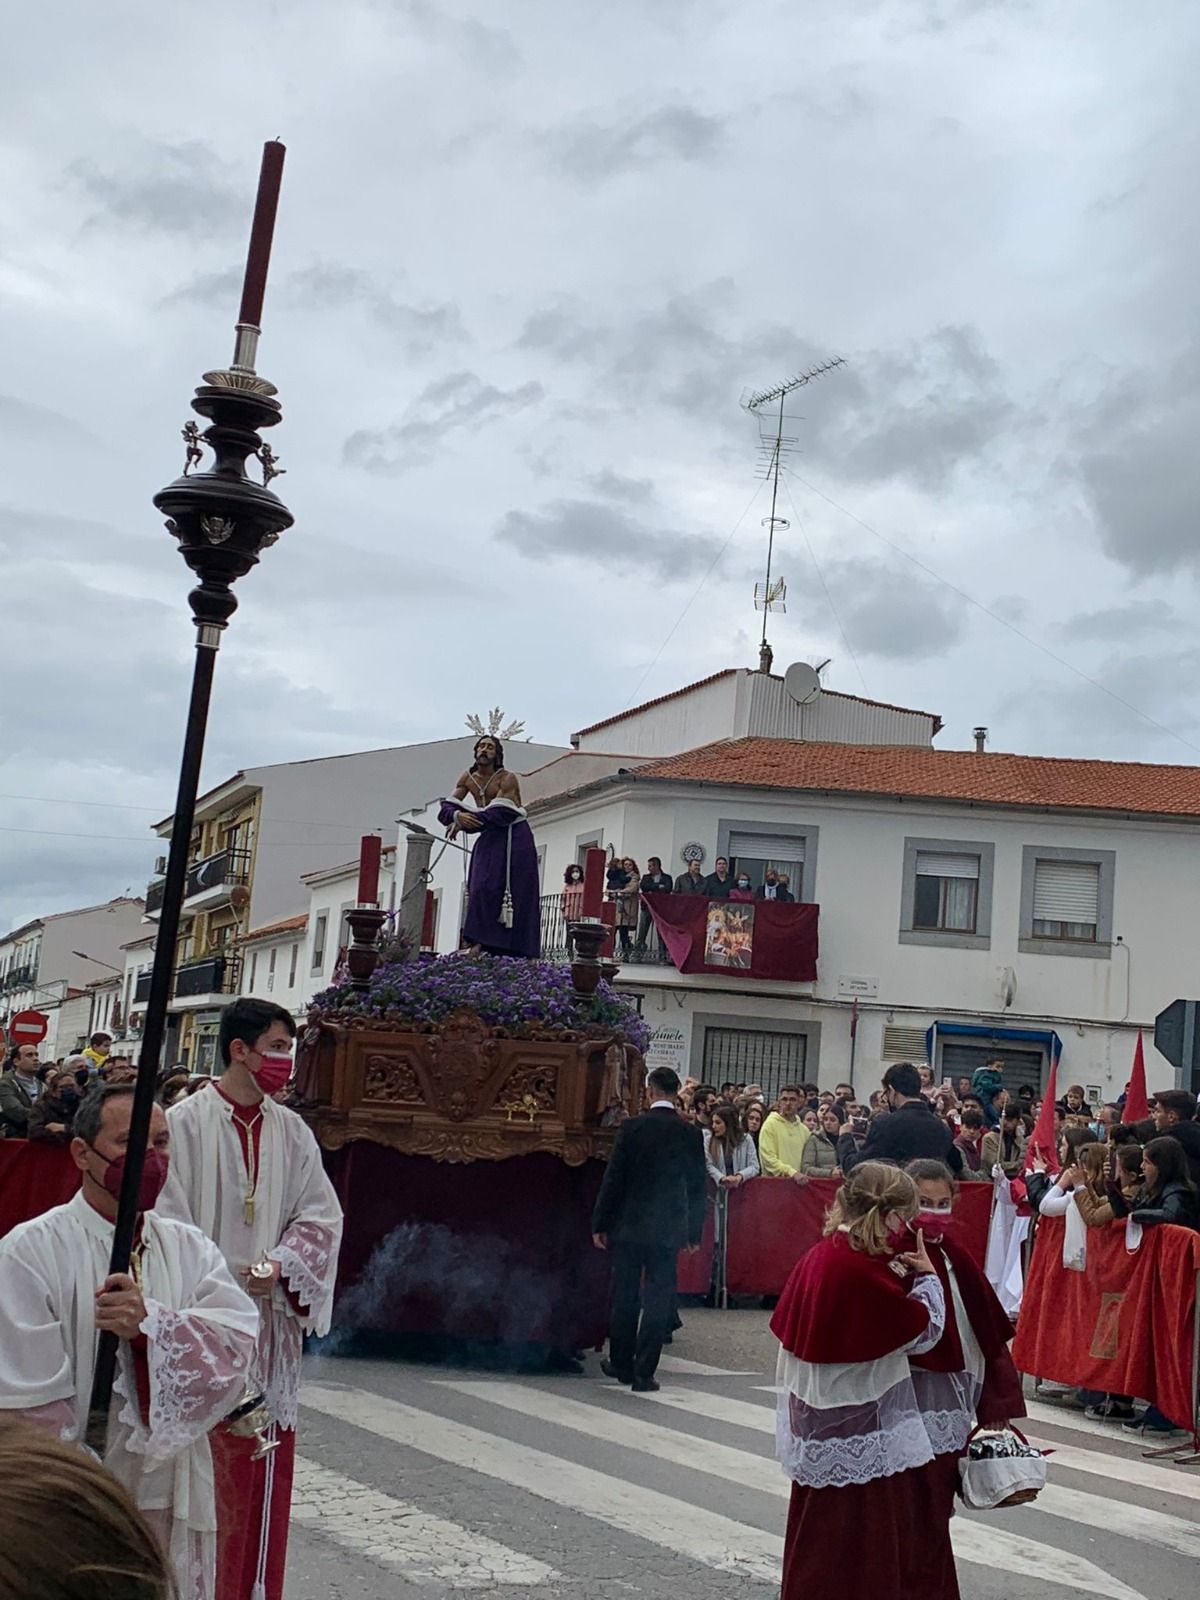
(802, 682)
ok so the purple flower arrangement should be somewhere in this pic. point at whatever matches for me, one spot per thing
(524, 998)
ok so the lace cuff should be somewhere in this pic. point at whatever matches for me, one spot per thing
(307, 1257)
(928, 1290)
(198, 1370)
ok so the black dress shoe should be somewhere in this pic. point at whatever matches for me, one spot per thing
(646, 1386)
(609, 1371)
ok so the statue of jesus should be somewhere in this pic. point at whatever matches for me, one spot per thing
(503, 913)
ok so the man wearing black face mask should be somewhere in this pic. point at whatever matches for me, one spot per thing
(186, 1334)
(51, 1117)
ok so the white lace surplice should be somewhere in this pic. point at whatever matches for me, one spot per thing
(297, 1222)
(948, 1400)
(200, 1329)
(839, 1423)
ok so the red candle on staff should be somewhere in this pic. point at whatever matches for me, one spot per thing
(593, 882)
(262, 230)
(370, 853)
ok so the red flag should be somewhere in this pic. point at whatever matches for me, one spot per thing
(1137, 1104)
(1042, 1140)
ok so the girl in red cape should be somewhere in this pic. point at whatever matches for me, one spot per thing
(850, 1432)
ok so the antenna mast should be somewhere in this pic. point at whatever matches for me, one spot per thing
(770, 596)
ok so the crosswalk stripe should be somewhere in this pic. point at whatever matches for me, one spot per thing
(684, 1368)
(1123, 1468)
(712, 1539)
(1119, 1517)
(974, 1542)
(424, 1548)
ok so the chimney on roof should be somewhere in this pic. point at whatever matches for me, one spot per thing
(766, 657)
(980, 740)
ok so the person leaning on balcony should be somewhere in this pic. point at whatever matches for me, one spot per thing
(783, 1137)
(654, 881)
(572, 893)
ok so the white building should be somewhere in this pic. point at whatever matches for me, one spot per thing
(970, 901)
(56, 957)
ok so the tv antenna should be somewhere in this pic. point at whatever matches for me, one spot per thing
(770, 596)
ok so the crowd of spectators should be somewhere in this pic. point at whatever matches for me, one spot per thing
(38, 1100)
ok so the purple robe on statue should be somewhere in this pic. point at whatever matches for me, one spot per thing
(503, 906)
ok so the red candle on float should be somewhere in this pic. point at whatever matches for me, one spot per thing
(370, 853)
(262, 230)
(608, 914)
(593, 882)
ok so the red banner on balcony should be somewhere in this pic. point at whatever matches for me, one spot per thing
(757, 938)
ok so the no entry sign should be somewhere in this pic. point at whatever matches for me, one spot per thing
(28, 1027)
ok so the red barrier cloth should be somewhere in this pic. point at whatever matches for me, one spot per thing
(33, 1178)
(760, 938)
(693, 1275)
(773, 1221)
(1124, 1325)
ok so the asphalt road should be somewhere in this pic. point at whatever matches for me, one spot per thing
(431, 1481)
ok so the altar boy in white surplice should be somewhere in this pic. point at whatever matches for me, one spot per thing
(186, 1333)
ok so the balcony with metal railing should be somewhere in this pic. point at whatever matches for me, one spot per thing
(209, 982)
(211, 882)
(555, 946)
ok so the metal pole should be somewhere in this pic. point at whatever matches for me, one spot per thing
(156, 1014)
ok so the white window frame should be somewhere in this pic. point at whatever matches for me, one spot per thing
(806, 834)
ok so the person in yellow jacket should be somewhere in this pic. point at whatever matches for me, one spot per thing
(97, 1052)
(782, 1139)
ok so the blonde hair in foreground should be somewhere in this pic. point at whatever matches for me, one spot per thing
(99, 1548)
(864, 1202)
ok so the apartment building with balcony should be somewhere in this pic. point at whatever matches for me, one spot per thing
(254, 837)
(50, 961)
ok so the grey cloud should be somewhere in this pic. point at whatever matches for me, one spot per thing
(1140, 469)
(562, 331)
(180, 188)
(19, 417)
(491, 48)
(589, 151)
(1112, 624)
(608, 537)
(220, 288)
(886, 608)
(615, 486)
(459, 402)
(420, 328)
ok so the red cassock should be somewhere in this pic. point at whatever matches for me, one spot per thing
(871, 1497)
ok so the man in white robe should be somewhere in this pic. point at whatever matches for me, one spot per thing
(186, 1333)
(248, 1172)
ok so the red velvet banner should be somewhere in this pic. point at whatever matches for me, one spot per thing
(758, 938)
(772, 1222)
(33, 1179)
(1124, 1325)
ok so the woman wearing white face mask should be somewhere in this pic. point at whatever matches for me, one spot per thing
(742, 889)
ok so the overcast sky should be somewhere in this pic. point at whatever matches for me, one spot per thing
(529, 258)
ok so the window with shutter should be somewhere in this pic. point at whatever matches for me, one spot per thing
(945, 892)
(1066, 900)
(756, 854)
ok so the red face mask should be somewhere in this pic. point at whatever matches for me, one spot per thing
(273, 1073)
(154, 1175)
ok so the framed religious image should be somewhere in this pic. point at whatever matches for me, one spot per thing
(729, 934)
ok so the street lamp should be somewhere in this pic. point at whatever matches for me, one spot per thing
(96, 963)
(223, 522)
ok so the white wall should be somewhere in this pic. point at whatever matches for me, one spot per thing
(314, 812)
(698, 716)
(1095, 1004)
(330, 898)
(268, 971)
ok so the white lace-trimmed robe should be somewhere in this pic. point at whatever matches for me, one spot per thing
(297, 1222)
(842, 1423)
(200, 1329)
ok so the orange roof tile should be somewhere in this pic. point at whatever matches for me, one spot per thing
(918, 772)
(288, 925)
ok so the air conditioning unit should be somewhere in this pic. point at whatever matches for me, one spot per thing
(160, 865)
(902, 1043)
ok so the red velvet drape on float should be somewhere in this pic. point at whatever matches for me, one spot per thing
(758, 938)
(33, 1178)
(1124, 1325)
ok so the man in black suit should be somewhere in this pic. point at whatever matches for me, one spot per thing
(719, 883)
(912, 1130)
(650, 1206)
